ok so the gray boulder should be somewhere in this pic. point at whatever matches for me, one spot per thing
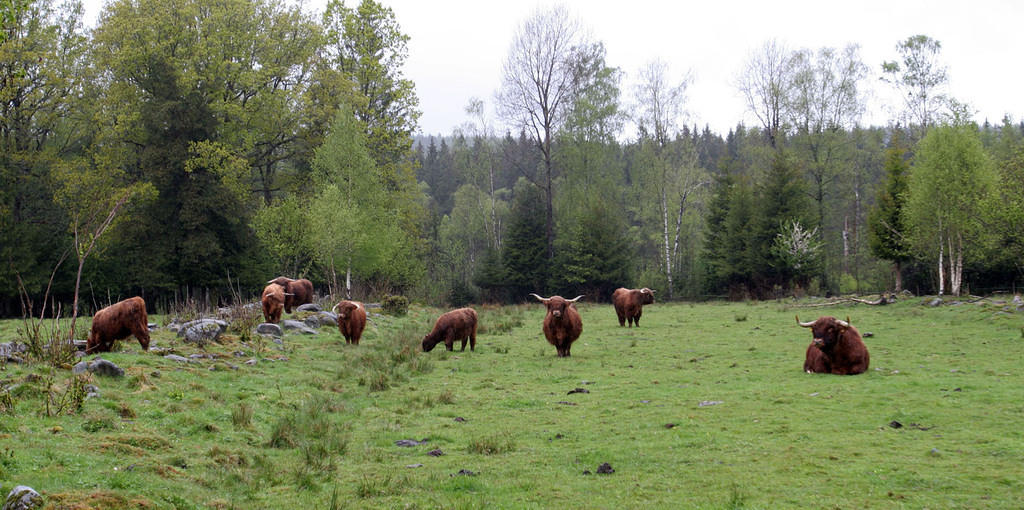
(98, 366)
(10, 350)
(321, 319)
(269, 328)
(203, 331)
(301, 327)
(23, 498)
(308, 307)
(179, 359)
(101, 366)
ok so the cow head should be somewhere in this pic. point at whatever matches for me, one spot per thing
(281, 280)
(826, 330)
(557, 304)
(344, 309)
(646, 296)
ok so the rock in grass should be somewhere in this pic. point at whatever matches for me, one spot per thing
(98, 366)
(435, 453)
(605, 469)
(23, 498)
(290, 325)
(410, 442)
(308, 307)
(268, 328)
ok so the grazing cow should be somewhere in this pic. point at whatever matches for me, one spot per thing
(297, 292)
(273, 302)
(837, 348)
(629, 304)
(459, 324)
(562, 324)
(351, 320)
(118, 321)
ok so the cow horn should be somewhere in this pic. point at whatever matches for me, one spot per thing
(335, 307)
(845, 323)
(804, 324)
(541, 299)
(573, 300)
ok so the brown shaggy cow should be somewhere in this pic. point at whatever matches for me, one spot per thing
(296, 292)
(273, 302)
(562, 324)
(629, 304)
(837, 348)
(459, 324)
(351, 320)
(118, 321)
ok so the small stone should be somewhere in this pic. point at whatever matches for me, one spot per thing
(464, 472)
(410, 442)
(578, 390)
(435, 453)
(413, 466)
(895, 424)
(460, 419)
(605, 469)
(103, 367)
(706, 403)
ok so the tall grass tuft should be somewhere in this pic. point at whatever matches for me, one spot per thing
(492, 444)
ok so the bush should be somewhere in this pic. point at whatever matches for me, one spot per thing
(395, 305)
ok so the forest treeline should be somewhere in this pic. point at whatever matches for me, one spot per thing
(187, 150)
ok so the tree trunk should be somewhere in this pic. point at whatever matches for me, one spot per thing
(898, 269)
(668, 258)
(942, 274)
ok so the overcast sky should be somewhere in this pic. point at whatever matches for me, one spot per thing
(457, 47)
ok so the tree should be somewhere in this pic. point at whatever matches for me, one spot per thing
(366, 45)
(780, 200)
(536, 90)
(669, 169)
(765, 83)
(920, 79)
(42, 122)
(525, 253)
(887, 234)
(94, 199)
(353, 222)
(951, 188)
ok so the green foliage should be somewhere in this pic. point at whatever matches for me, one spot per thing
(593, 253)
(887, 234)
(395, 305)
(951, 189)
(525, 257)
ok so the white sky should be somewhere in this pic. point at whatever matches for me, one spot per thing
(457, 47)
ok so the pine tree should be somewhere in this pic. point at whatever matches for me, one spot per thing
(525, 245)
(781, 199)
(886, 230)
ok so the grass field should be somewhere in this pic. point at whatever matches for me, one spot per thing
(704, 406)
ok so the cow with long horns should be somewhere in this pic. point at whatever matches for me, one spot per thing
(296, 292)
(837, 348)
(629, 304)
(351, 320)
(562, 324)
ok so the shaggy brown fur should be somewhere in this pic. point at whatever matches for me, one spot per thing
(562, 324)
(116, 322)
(459, 324)
(273, 302)
(629, 304)
(296, 292)
(837, 348)
(351, 320)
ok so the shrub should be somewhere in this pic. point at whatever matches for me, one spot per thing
(395, 305)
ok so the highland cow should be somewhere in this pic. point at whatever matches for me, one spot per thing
(455, 325)
(297, 292)
(273, 302)
(629, 304)
(116, 322)
(837, 348)
(562, 324)
(351, 320)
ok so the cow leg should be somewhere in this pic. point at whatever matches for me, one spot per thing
(464, 341)
(142, 334)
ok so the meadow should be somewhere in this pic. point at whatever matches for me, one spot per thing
(703, 406)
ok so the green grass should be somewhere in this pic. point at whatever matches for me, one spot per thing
(316, 427)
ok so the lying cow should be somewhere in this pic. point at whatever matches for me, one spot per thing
(837, 348)
(351, 320)
(459, 324)
(273, 302)
(629, 304)
(562, 324)
(296, 292)
(116, 322)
